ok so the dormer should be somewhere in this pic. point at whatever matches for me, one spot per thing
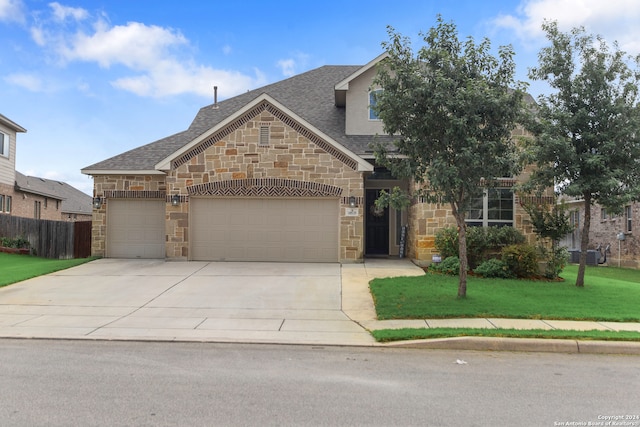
(354, 93)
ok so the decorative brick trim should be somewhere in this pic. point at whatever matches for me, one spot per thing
(250, 115)
(264, 187)
(131, 194)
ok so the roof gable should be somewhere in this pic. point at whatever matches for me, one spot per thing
(247, 113)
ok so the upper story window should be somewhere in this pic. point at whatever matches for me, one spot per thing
(4, 144)
(372, 103)
(494, 208)
(627, 218)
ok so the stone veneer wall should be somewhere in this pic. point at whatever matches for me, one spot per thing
(120, 187)
(425, 219)
(233, 163)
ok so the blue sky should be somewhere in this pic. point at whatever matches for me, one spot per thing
(92, 79)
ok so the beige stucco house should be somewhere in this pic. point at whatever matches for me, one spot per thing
(280, 173)
(34, 197)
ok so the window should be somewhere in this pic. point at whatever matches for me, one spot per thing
(494, 208)
(37, 206)
(627, 218)
(45, 203)
(4, 144)
(372, 103)
(603, 214)
(1, 203)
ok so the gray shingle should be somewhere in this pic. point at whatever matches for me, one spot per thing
(73, 200)
(310, 95)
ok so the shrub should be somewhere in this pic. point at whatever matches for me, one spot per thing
(17, 242)
(446, 242)
(521, 259)
(450, 266)
(494, 268)
(480, 242)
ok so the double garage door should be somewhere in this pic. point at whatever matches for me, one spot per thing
(232, 229)
(236, 229)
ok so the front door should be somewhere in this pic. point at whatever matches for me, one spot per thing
(376, 225)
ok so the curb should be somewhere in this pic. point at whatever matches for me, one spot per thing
(523, 345)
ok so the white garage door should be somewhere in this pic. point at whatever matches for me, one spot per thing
(292, 230)
(135, 229)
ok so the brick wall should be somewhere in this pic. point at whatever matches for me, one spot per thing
(604, 232)
(23, 204)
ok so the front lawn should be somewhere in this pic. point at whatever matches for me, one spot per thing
(16, 268)
(610, 294)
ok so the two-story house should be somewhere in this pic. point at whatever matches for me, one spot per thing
(33, 197)
(284, 172)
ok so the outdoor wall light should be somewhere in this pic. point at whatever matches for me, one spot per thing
(97, 202)
(352, 202)
(175, 200)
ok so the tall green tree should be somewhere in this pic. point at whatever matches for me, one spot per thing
(588, 131)
(452, 105)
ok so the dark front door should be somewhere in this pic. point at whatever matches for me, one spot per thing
(377, 226)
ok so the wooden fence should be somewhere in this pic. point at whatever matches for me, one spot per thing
(50, 239)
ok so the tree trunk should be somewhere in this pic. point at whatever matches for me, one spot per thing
(462, 252)
(584, 241)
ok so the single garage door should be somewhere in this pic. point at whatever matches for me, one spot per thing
(252, 229)
(135, 229)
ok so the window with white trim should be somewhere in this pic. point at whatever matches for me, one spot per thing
(4, 145)
(494, 209)
(628, 217)
(372, 103)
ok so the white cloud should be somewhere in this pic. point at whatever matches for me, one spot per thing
(287, 66)
(614, 20)
(61, 12)
(158, 58)
(27, 81)
(291, 66)
(11, 10)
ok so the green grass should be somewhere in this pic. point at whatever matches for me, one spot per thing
(610, 294)
(387, 335)
(16, 268)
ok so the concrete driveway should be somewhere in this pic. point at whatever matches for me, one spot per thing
(208, 301)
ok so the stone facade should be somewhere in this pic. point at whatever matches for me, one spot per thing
(235, 162)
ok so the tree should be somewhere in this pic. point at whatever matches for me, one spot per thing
(550, 221)
(587, 133)
(452, 106)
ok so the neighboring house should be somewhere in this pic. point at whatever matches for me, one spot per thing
(33, 197)
(281, 173)
(618, 232)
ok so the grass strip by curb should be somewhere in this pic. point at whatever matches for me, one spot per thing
(388, 335)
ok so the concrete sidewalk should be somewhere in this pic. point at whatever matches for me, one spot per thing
(317, 304)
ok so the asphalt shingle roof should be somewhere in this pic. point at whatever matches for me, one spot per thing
(310, 95)
(73, 200)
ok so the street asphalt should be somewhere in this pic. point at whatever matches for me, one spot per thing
(275, 303)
